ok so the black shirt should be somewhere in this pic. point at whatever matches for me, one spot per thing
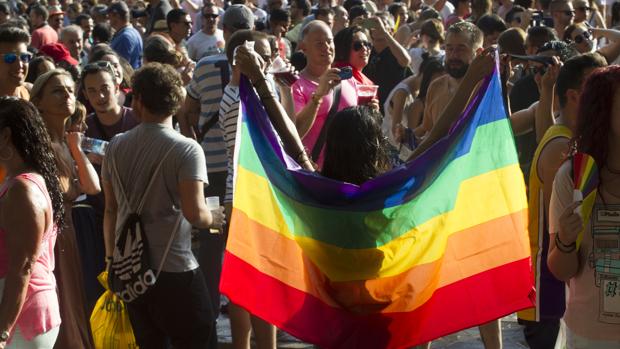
(523, 94)
(384, 70)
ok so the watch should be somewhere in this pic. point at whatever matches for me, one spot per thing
(4, 336)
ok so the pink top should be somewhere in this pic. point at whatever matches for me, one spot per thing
(40, 312)
(302, 95)
(42, 36)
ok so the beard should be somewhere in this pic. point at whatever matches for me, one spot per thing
(456, 68)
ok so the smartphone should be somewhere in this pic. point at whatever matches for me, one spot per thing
(368, 23)
(345, 73)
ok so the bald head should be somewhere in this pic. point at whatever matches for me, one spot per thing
(315, 26)
(317, 44)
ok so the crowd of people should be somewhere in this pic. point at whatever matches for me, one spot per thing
(118, 109)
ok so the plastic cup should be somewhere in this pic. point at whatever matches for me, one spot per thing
(282, 72)
(366, 93)
(213, 203)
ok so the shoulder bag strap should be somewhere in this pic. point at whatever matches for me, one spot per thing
(320, 142)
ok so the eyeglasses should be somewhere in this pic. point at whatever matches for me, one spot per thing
(358, 45)
(579, 38)
(10, 58)
(210, 16)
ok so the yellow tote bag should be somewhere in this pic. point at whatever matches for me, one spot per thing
(110, 321)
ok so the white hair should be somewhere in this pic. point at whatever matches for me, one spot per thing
(73, 28)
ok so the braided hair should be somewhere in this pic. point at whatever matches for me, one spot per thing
(31, 140)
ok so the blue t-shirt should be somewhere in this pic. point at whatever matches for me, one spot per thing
(128, 44)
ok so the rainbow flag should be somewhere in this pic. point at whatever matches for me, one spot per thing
(425, 250)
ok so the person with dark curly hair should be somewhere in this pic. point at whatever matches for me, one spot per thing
(31, 212)
(594, 291)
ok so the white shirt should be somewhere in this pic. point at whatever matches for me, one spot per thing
(201, 45)
(447, 10)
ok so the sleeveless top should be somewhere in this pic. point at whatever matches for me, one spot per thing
(386, 125)
(550, 300)
(40, 312)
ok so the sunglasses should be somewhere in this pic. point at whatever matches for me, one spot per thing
(538, 70)
(10, 58)
(210, 16)
(579, 38)
(98, 66)
(358, 45)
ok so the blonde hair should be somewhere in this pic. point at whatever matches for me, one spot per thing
(42, 80)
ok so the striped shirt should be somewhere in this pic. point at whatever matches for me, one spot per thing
(212, 73)
(229, 114)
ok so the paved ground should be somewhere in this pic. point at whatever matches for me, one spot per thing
(469, 339)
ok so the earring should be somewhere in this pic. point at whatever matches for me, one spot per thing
(2, 158)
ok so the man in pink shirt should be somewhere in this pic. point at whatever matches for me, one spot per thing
(313, 93)
(42, 34)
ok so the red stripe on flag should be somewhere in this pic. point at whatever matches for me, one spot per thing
(463, 304)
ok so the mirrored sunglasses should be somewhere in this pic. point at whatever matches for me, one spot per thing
(10, 58)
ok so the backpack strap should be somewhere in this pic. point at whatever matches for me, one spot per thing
(148, 187)
(320, 141)
(174, 233)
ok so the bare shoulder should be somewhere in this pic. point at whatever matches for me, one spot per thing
(551, 157)
(439, 83)
(23, 197)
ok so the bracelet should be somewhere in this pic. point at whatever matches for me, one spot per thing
(302, 156)
(564, 247)
(316, 99)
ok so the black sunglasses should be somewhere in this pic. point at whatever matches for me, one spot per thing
(210, 15)
(579, 38)
(10, 58)
(538, 70)
(358, 45)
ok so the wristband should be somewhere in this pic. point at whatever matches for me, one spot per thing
(564, 247)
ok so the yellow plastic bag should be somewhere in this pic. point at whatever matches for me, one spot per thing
(110, 321)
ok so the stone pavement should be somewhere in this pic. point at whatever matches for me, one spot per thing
(512, 335)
